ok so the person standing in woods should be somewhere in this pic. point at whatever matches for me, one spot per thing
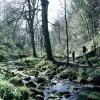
(84, 50)
(73, 56)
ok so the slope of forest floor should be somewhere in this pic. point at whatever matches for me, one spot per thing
(38, 79)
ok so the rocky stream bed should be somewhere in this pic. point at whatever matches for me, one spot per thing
(46, 85)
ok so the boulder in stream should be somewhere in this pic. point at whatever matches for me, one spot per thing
(41, 80)
(27, 78)
(39, 97)
(16, 81)
(31, 84)
(36, 92)
(20, 69)
(53, 97)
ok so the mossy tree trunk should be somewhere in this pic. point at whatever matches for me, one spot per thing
(47, 43)
(30, 20)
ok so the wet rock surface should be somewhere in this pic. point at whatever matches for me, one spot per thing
(56, 88)
(55, 83)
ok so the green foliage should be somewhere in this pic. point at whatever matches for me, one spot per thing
(2, 57)
(7, 45)
(20, 63)
(2, 77)
(42, 80)
(94, 96)
(21, 93)
(15, 80)
(36, 61)
(82, 74)
(17, 94)
(82, 59)
(68, 74)
(6, 90)
(3, 48)
(30, 62)
(94, 76)
(9, 92)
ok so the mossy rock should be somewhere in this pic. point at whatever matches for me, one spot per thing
(82, 74)
(60, 69)
(94, 77)
(36, 92)
(20, 63)
(94, 96)
(84, 81)
(16, 81)
(18, 75)
(2, 58)
(27, 78)
(65, 94)
(39, 97)
(20, 69)
(68, 74)
(42, 80)
(34, 72)
(41, 86)
(53, 97)
(12, 74)
(51, 73)
(25, 93)
(31, 84)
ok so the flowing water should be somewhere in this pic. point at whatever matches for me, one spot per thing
(63, 87)
(57, 86)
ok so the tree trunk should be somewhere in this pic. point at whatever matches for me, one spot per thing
(33, 44)
(30, 21)
(47, 43)
(67, 41)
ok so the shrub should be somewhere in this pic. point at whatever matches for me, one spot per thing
(94, 96)
(20, 63)
(68, 74)
(2, 58)
(6, 90)
(82, 74)
(21, 93)
(94, 77)
(16, 81)
(2, 77)
(9, 92)
(17, 94)
(42, 80)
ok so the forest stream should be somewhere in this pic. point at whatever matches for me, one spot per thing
(56, 88)
(49, 49)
